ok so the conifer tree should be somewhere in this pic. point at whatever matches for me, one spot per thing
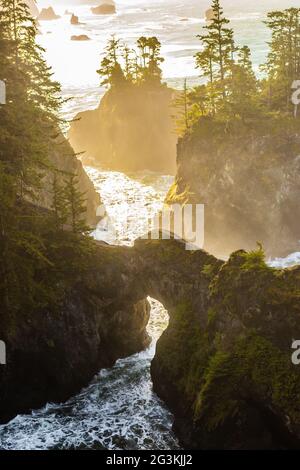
(58, 206)
(217, 56)
(111, 70)
(29, 122)
(283, 63)
(242, 91)
(76, 206)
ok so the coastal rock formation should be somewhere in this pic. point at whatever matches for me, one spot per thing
(74, 19)
(80, 37)
(104, 9)
(223, 365)
(209, 14)
(47, 14)
(34, 11)
(53, 353)
(63, 158)
(131, 130)
(247, 180)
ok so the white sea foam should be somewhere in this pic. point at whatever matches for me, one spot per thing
(287, 262)
(118, 410)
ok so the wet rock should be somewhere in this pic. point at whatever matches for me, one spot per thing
(223, 366)
(74, 19)
(81, 37)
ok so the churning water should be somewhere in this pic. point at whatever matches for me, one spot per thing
(118, 409)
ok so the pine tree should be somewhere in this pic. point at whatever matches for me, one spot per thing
(76, 206)
(29, 122)
(122, 66)
(218, 53)
(283, 62)
(155, 60)
(111, 70)
(242, 89)
(58, 206)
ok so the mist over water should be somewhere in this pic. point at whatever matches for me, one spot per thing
(175, 23)
(118, 409)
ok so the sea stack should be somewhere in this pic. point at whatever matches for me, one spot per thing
(209, 14)
(104, 9)
(48, 14)
(33, 9)
(81, 37)
(74, 19)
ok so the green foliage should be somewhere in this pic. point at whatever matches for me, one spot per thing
(283, 62)
(255, 259)
(122, 66)
(254, 368)
(230, 90)
(30, 237)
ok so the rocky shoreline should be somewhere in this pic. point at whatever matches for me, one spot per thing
(223, 365)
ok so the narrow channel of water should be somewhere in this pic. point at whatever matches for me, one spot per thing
(118, 409)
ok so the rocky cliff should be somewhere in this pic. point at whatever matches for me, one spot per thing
(223, 365)
(63, 159)
(247, 178)
(131, 130)
(53, 352)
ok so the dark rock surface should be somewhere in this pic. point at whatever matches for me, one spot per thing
(247, 178)
(62, 157)
(223, 365)
(53, 353)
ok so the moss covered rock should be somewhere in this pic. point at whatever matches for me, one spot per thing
(224, 364)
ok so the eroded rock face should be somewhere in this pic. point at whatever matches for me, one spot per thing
(53, 353)
(223, 365)
(63, 158)
(248, 181)
(48, 14)
(131, 130)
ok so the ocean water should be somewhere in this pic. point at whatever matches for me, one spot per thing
(175, 23)
(118, 409)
